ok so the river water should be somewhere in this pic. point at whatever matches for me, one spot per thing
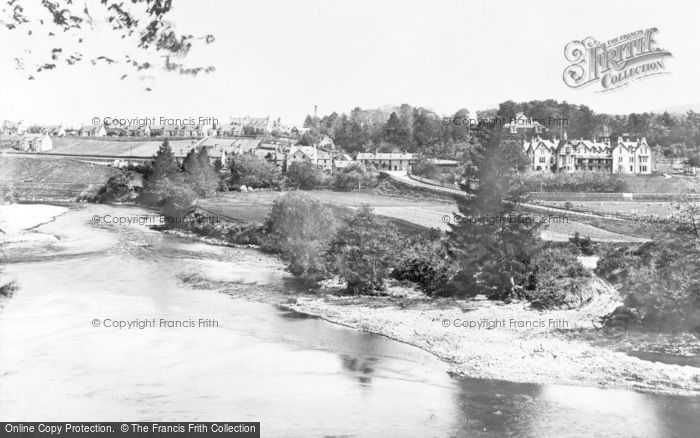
(300, 377)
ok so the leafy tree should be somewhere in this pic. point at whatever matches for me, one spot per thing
(492, 243)
(426, 262)
(300, 228)
(144, 23)
(425, 168)
(354, 176)
(364, 252)
(557, 280)
(303, 174)
(252, 171)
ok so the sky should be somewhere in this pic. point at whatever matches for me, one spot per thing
(280, 58)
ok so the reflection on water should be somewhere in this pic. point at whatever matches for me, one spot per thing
(298, 376)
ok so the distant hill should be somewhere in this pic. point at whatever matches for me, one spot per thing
(680, 108)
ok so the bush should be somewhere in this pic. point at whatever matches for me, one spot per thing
(558, 280)
(304, 175)
(598, 182)
(354, 176)
(660, 282)
(584, 245)
(364, 252)
(120, 188)
(300, 228)
(425, 168)
(251, 171)
(425, 261)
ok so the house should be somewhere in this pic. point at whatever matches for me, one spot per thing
(387, 161)
(55, 131)
(521, 124)
(326, 142)
(12, 128)
(567, 155)
(92, 131)
(35, 143)
(301, 153)
(252, 125)
(444, 164)
(229, 130)
(272, 152)
(631, 157)
(342, 160)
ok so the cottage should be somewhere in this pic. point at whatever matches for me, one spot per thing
(92, 131)
(35, 143)
(387, 161)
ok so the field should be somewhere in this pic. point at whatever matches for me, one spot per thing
(662, 184)
(52, 171)
(408, 215)
(660, 209)
(137, 148)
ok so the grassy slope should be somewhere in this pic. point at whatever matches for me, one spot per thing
(52, 170)
(254, 206)
(661, 184)
(140, 148)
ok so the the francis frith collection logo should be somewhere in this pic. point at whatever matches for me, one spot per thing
(614, 63)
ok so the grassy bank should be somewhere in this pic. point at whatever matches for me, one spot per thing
(58, 179)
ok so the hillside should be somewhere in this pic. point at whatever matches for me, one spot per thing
(137, 148)
(661, 184)
(23, 178)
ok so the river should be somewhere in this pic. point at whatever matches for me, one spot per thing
(298, 376)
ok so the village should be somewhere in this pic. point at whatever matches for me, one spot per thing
(121, 144)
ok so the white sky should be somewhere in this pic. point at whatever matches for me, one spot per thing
(279, 58)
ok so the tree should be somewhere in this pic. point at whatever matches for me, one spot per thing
(164, 166)
(354, 176)
(491, 242)
(144, 23)
(252, 171)
(364, 252)
(300, 228)
(200, 173)
(303, 174)
(164, 162)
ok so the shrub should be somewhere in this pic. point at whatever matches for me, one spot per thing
(558, 280)
(119, 188)
(364, 252)
(252, 171)
(304, 175)
(660, 282)
(599, 182)
(425, 261)
(354, 176)
(300, 228)
(425, 168)
(584, 245)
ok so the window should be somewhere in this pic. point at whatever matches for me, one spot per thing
(541, 159)
(619, 159)
(643, 168)
(631, 168)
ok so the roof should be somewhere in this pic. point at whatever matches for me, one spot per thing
(256, 122)
(306, 150)
(385, 156)
(523, 122)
